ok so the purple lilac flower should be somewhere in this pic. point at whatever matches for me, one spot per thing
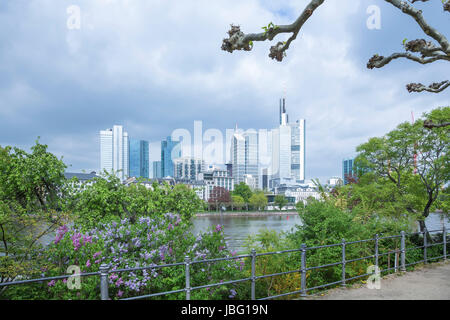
(120, 293)
(60, 233)
(170, 227)
(218, 228)
(76, 241)
(96, 254)
(87, 239)
(51, 283)
(88, 263)
(233, 293)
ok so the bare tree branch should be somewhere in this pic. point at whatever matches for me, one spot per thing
(428, 51)
(430, 125)
(435, 87)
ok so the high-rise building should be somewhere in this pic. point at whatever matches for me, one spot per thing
(348, 170)
(288, 149)
(188, 168)
(157, 174)
(114, 151)
(139, 159)
(170, 150)
(244, 156)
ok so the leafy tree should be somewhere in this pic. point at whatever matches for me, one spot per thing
(280, 201)
(219, 196)
(106, 199)
(419, 50)
(407, 167)
(258, 200)
(32, 189)
(243, 190)
(238, 201)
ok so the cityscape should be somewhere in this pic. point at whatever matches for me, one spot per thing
(270, 160)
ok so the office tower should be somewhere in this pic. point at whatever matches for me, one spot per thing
(139, 158)
(170, 150)
(114, 151)
(245, 156)
(188, 168)
(348, 170)
(157, 170)
(298, 150)
(265, 179)
(288, 149)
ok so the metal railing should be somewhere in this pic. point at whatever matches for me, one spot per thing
(105, 271)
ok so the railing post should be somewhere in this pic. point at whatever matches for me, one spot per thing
(303, 268)
(376, 250)
(187, 262)
(403, 252)
(444, 235)
(425, 244)
(343, 263)
(253, 274)
(104, 271)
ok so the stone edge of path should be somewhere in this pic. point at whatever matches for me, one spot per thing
(358, 285)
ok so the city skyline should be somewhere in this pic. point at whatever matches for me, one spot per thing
(149, 86)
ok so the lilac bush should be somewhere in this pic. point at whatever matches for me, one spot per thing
(150, 242)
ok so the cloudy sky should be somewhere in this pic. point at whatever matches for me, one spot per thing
(156, 65)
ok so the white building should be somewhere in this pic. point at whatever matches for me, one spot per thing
(188, 168)
(245, 156)
(288, 150)
(114, 151)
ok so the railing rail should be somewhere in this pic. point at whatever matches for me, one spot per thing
(105, 270)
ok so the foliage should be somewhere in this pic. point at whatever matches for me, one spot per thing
(409, 165)
(153, 241)
(106, 198)
(280, 201)
(243, 190)
(32, 189)
(258, 200)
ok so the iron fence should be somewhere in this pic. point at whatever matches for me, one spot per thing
(401, 265)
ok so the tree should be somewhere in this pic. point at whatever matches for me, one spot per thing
(280, 201)
(238, 201)
(32, 191)
(219, 196)
(243, 190)
(419, 50)
(412, 162)
(106, 199)
(258, 200)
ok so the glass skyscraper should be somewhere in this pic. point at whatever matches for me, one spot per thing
(170, 150)
(139, 159)
(347, 170)
(245, 156)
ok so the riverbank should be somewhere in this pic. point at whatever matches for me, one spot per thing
(247, 214)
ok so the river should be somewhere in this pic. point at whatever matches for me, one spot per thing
(237, 229)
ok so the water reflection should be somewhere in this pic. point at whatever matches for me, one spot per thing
(237, 229)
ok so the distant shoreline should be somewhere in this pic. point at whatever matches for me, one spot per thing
(247, 214)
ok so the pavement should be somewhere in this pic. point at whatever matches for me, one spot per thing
(429, 282)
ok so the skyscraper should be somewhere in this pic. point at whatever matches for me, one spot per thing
(245, 156)
(139, 158)
(188, 168)
(170, 150)
(157, 174)
(348, 170)
(114, 151)
(288, 149)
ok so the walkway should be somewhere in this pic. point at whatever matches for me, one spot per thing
(431, 282)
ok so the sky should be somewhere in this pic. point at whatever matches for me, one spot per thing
(155, 66)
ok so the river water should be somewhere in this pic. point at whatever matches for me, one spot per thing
(237, 229)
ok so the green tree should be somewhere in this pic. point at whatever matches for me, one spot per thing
(106, 199)
(238, 201)
(243, 190)
(32, 191)
(405, 169)
(280, 201)
(258, 200)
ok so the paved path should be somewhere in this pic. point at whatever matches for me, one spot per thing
(431, 282)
